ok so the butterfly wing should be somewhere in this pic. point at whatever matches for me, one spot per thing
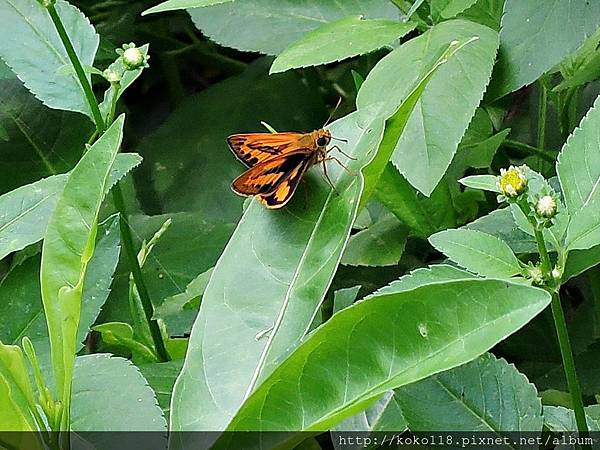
(254, 148)
(274, 180)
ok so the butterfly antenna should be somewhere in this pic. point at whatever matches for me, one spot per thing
(339, 102)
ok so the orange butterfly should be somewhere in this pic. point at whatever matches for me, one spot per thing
(277, 162)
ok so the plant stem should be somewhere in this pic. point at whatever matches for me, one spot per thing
(542, 115)
(83, 81)
(510, 143)
(562, 333)
(568, 363)
(136, 271)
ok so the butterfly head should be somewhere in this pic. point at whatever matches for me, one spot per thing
(322, 138)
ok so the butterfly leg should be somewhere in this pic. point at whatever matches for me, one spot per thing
(335, 147)
(333, 158)
(327, 176)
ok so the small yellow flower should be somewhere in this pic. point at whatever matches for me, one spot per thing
(512, 182)
(546, 207)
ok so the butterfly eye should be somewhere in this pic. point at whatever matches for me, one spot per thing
(322, 141)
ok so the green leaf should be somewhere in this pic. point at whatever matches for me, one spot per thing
(485, 12)
(161, 378)
(384, 415)
(501, 223)
(24, 213)
(38, 54)
(396, 114)
(536, 35)
(584, 229)
(381, 244)
(110, 394)
(423, 276)
(396, 339)
(121, 334)
(478, 252)
(287, 268)
(487, 394)
(41, 141)
(424, 215)
(579, 261)
(68, 248)
(454, 7)
(342, 298)
(578, 165)
(172, 5)
(344, 38)
(420, 155)
(559, 419)
(16, 394)
(483, 182)
(269, 26)
(179, 311)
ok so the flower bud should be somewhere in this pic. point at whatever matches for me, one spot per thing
(512, 182)
(536, 274)
(557, 273)
(132, 57)
(111, 76)
(545, 207)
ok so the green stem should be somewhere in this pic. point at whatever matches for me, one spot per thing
(83, 81)
(562, 333)
(510, 143)
(136, 271)
(542, 115)
(569, 363)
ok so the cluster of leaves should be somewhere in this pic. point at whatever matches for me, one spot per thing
(392, 302)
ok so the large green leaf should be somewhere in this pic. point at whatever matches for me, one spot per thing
(68, 248)
(578, 165)
(268, 26)
(171, 5)
(287, 259)
(578, 169)
(479, 252)
(16, 394)
(421, 155)
(538, 34)
(338, 40)
(38, 55)
(41, 142)
(384, 342)
(110, 394)
(24, 213)
(487, 394)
